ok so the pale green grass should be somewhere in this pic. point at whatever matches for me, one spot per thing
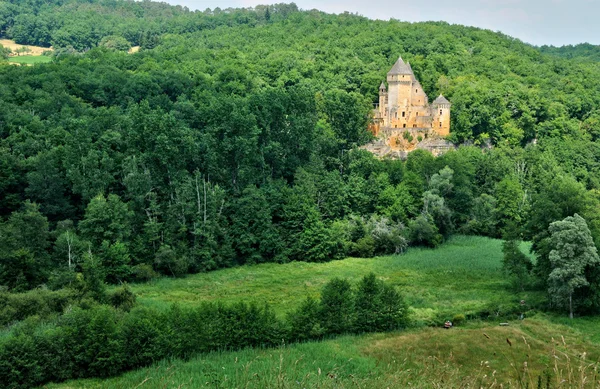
(461, 276)
(30, 59)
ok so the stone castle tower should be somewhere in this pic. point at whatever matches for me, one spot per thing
(405, 120)
(404, 104)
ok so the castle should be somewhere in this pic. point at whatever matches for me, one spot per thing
(405, 120)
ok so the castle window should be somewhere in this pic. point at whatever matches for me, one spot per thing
(396, 115)
(414, 126)
(403, 113)
(417, 114)
(440, 111)
(416, 91)
(440, 124)
(404, 125)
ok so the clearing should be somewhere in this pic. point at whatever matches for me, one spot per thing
(460, 277)
(34, 55)
(33, 50)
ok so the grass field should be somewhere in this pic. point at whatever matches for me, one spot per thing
(30, 59)
(468, 357)
(462, 276)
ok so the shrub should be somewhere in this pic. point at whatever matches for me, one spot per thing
(41, 302)
(458, 319)
(305, 323)
(364, 247)
(123, 298)
(144, 272)
(424, 232)
(337, 307)
(95, 340)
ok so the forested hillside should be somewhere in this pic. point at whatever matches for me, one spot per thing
(235, 144)
(584, 51)
(232, 138)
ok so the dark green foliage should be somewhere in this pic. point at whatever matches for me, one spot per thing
(38, 302)
(101, 341)
(305, 322)
(424, 232)
(336, 310)
(123, 298)
(24, 243)
(515, 263)
(378, 306)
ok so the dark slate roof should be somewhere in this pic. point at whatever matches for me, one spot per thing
(400, 68)
(441, 100)
(382, 86)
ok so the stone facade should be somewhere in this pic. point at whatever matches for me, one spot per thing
(404, 118)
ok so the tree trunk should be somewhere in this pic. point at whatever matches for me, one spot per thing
(570, 306)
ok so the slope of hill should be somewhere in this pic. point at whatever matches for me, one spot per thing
(231, 139)
(463, 276)
(234, 144)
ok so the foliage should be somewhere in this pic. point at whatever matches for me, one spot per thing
(378, 306)
(4, 52)
(515, 263)
(573, 251)
(101, 341)
(230, 139)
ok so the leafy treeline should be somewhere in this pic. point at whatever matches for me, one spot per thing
(100, 341)
(584, 51)
(236, 144)
(84, 24)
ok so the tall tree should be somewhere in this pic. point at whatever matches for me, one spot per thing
(573, 251)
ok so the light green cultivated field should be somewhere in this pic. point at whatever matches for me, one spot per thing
(461, 277)
(30, 59)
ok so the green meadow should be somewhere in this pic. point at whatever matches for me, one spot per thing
(462, 277)
(30, 59)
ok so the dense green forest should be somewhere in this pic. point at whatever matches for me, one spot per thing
(232, 138)
(584, 51)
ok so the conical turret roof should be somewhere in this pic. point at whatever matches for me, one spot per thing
(441, 100)
(400, 68)
(382, 86)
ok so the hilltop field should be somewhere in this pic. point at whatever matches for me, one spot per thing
(33, 55)
(462, 277)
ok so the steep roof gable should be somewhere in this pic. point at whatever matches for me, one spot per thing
(400, 68)
(441, 100)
